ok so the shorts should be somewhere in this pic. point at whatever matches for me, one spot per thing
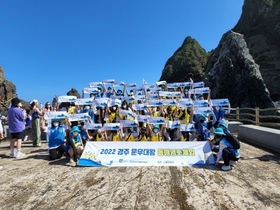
(19, 135)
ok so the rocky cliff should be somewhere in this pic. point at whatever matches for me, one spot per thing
(7, 91)
(260, 25)
(236, 75)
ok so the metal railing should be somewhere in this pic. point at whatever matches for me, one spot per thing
(269, 117)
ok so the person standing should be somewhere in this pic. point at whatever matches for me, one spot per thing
(16, 120)
(36, 114)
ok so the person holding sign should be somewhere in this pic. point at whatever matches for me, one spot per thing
(155, 133)
(202, 129)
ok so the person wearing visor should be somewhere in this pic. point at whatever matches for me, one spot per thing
(75, 146)
(56, 135)
(226, 150)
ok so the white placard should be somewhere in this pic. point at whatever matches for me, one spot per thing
(140, 107)
(173, 124)
(161, 83)
(83, 101)
(61, 99)
(55, 115)
(151, 96)
(78, 117)
(114, 102)
(187, 127)
(90, 90)
(140, 98)
(198, 84)
(143, 118)
(156, 120)
(101, 102)
(200, 103)
(128, 123)
(92, 126)
(169, 102)
(95, 84)
(220, 102)
(185, 102)
(155, 102)
(112, 126)
(165, 93)
(203, 110)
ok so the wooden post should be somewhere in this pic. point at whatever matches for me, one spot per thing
(237, 113)
(257, 113)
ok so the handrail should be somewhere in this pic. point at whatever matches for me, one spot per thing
(262, 117)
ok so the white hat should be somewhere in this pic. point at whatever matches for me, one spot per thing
(33, 101)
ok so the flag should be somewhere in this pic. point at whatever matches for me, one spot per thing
(144, 82)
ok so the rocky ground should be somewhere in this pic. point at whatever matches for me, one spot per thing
(37, 183)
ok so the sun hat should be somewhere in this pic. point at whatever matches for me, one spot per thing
(223, 123)
(201, 115)
(75, 129)
(33, 101)
(219, 131)
(15, 101)
(155, 127)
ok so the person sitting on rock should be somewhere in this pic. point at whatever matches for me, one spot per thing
(226, 150)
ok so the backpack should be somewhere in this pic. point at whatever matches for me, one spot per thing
(233, 140)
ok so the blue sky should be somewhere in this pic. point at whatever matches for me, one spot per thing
(48, 47)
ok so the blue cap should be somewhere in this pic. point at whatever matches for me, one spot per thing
(223, 123)
(219, 131)
(75, 129)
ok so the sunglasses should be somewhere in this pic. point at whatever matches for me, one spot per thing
(218, 136)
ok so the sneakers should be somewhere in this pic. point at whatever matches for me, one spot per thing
(226, 168)
(19, 154)
(25, 138)
(232, 162)
(12, 155)
(71, 162)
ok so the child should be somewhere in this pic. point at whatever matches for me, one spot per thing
(75, 146)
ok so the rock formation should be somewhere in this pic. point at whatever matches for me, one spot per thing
(74, 92)
(187, 62)
(260, 25)
(7, 91)
(235, 75)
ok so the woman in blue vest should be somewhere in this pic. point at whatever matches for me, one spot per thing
(202, 128)
(56, 140)
(226, 150)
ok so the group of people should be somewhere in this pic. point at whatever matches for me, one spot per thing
(69, 137)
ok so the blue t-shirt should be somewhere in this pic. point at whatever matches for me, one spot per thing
(15, 120)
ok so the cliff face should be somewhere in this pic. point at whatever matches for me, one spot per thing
(235, 74)
(260, 25)
(7, 91)
(187, 62)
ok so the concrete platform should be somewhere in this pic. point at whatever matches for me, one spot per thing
(267, 138)
(233, 126)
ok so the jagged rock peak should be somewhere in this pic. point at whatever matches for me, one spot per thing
(235, 75)
(187, 62)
